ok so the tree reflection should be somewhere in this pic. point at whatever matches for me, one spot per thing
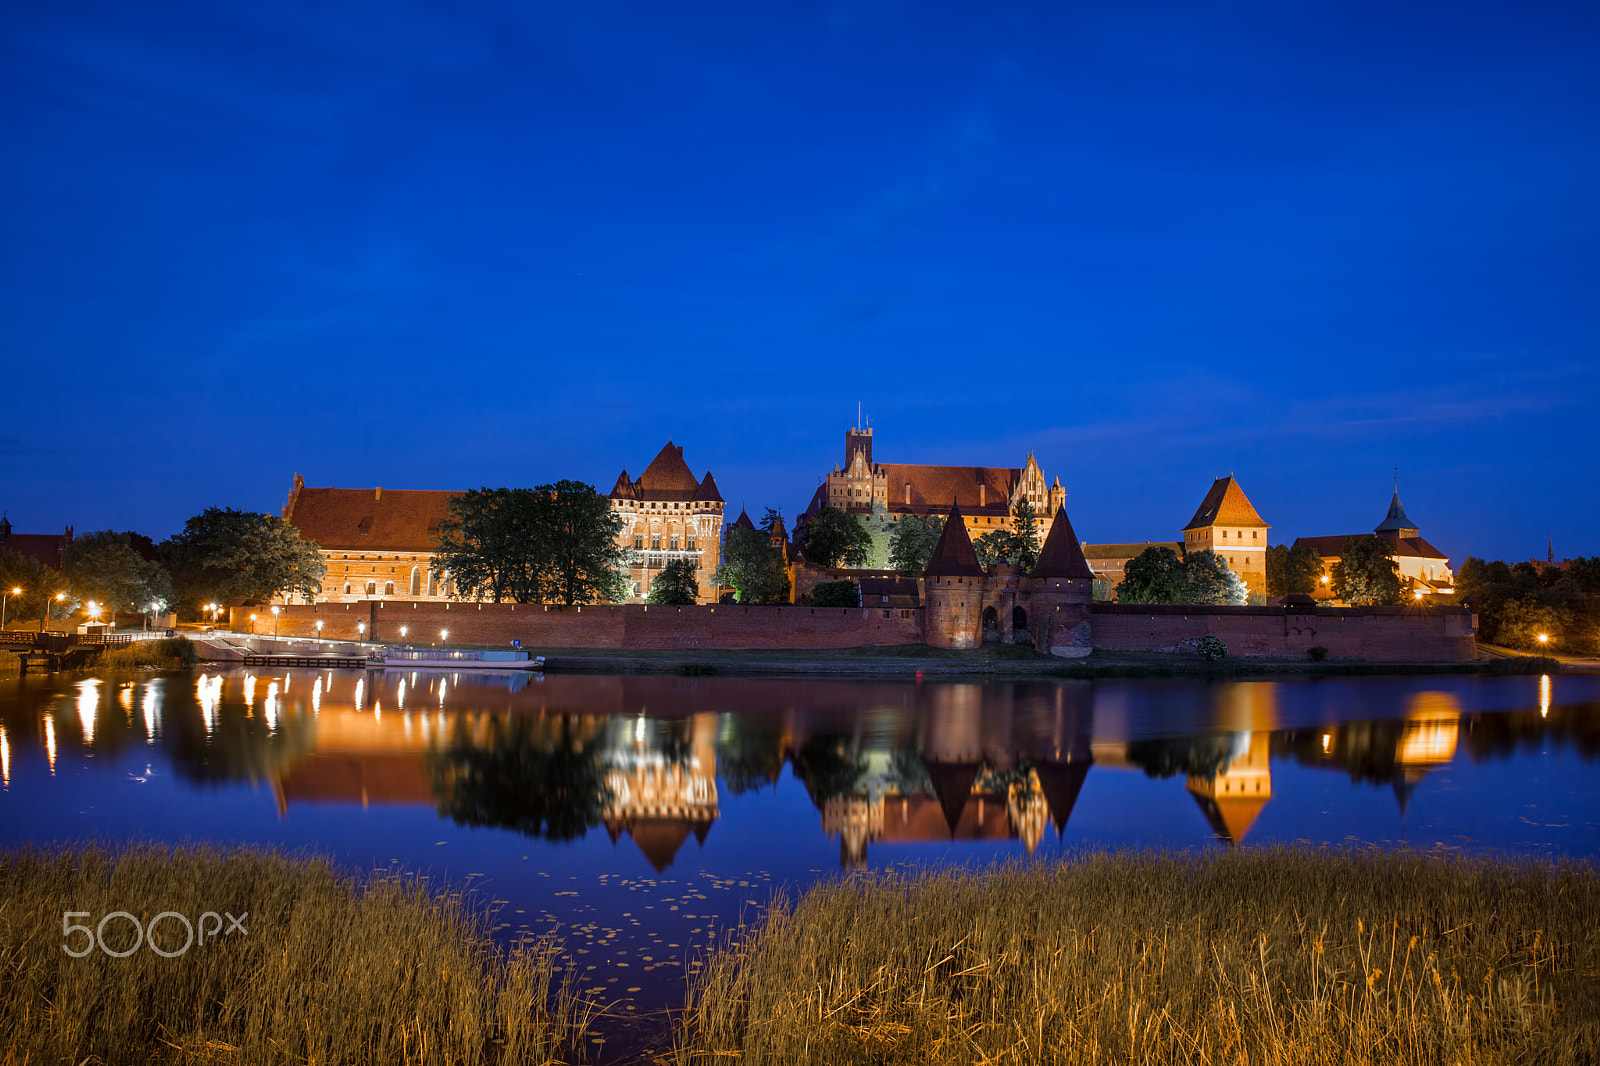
(749, 752)
(1202, 756)
(542, 777)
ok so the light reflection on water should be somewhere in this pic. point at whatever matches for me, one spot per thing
(640, 815)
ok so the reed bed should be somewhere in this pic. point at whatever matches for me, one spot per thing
(165, 653)
(332, 970)
(1292, 956)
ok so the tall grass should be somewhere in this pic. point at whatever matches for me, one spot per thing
(1277, 957)
(165, 652)
(332, 970)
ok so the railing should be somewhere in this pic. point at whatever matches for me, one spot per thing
(453, 655)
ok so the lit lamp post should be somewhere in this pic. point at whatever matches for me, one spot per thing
(1544, 641)
(361, 631)
(444, 635)
(274, 623)
(60, 598)
(319, 630)
(252, 625)
(402, 634)
(4, 596)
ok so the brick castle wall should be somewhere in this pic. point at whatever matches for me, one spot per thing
(1375, 634)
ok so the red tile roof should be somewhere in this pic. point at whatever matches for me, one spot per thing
(707, 492)
(369, 519)
(954, 556)
(49, 548)
(668, 477)
(1404, 547)
(1061, 555)
(933, 487)
(1225, 505)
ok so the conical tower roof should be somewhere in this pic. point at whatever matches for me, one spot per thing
(954, 556)
(1230, 816)
(744, 520)
(1062, 555)
(1225, 505)
(708, 489)
(623, 489)
(952, 783)
(1396, 521)
(1061, 782)
(669, 474)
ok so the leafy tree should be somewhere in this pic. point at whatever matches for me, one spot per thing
(1522, 621)
(753, 568)
(223, 553)
(577, 538)
(772, 520)
(836, 594)
(541, 778)
(1366, 573)
(1017, 544)
(912, 542)
(1292, 571)
(486, 542)
(749, 752)
(1207, 581)
(39, 584)
(675, 586)
(106, 568)
(1156, 575)
(836, 538)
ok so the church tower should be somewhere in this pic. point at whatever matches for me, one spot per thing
(953, 587)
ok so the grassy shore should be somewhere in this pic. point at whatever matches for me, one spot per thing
(1272, 957)
(331, 970)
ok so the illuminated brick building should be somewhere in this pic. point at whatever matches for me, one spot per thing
(1423, 568)
(669, 515)
(1226, 522)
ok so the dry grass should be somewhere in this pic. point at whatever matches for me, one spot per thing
(332, 970)
(1272, 957)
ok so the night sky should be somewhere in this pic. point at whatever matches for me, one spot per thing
(494, 242)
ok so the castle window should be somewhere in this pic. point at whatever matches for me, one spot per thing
(638, 541)
(673, 541)
(388, 588)
(1224, 534)
(372, 588)
(347, 588)
(691, 542)
(655, 542)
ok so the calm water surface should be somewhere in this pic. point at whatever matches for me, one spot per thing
(638, 816)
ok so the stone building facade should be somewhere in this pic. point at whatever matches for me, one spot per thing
(669, 515)
(377, 544)
(1226, 522)
(986, 495)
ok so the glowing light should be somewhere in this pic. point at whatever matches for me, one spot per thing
(402, 632)
(444, 634)
(1544, 638)
(443, 684)
(1418, 594)
(50, 741)
(250, 691)
(152, 710)
(401, 693)
(88, 703)
(269, 708)
(125, 697)
(361, 684)
(1544, 695)
(209, 691)
(1327, 743)
(5, 759)
(1326, 579)
(316, 697)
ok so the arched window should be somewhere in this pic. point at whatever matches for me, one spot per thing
(433, 583)
(372, 588)
(388, 588)
(638, 542)
(691, 542)
(674, 541)
(416, 581)
(347, 588)
(655, 542)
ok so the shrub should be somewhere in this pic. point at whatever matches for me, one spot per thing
(1212, 648)
(836, 594)
(1318, 653)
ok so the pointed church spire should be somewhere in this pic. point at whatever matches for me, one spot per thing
(954, 555)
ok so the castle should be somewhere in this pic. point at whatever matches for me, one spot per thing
(1423, 568)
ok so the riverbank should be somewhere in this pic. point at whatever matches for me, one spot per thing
(1276, 957)
(325, 968)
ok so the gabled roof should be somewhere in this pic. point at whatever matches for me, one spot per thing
(1061, 556)
(1404, 547)
(667, 477)
(932, 486)
(370, 519)
(1225, 505)
(744, 520)
(1396, 519)
(623, 489)
(48, 548)
(1128, 551)
(954, 556)
(707, 492)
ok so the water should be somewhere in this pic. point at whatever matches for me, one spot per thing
(639, 817)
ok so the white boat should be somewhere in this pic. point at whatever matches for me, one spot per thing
(456, 659)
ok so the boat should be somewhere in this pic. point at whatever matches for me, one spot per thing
(455, 658)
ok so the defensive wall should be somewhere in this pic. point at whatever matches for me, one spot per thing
(1373, 634)
(621, 626)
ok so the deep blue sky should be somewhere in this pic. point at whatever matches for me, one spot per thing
(496, 242)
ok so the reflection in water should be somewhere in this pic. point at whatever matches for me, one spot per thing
(654, 759)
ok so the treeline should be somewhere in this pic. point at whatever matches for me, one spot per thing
(1517, 602)
(220, 554)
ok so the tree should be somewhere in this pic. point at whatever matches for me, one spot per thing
(39, 584)
(836, 594)
(1292, 571)
(912, 542)
(835, 538)
(577, 539)
(486, 543)
(1523, 620)
(1208, 582)
(1016, 545)
(753, 567)
(106, 568)
(675, 586)
(1366, 573)
(224, 553)
(1154, 576)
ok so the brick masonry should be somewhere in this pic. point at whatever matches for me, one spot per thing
(1373, 634)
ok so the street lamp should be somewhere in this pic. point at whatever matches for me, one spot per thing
(4, 596)
(361, 630)
(1544, 638)
(444, 635)
(402, 634)
(60, 596)
(319, 630)
(275, 623)
(252, 625)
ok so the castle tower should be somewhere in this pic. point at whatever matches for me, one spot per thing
(1395, 523)
(953, 588)
(1232, 798)
(1061, 585)
(1226, 522)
